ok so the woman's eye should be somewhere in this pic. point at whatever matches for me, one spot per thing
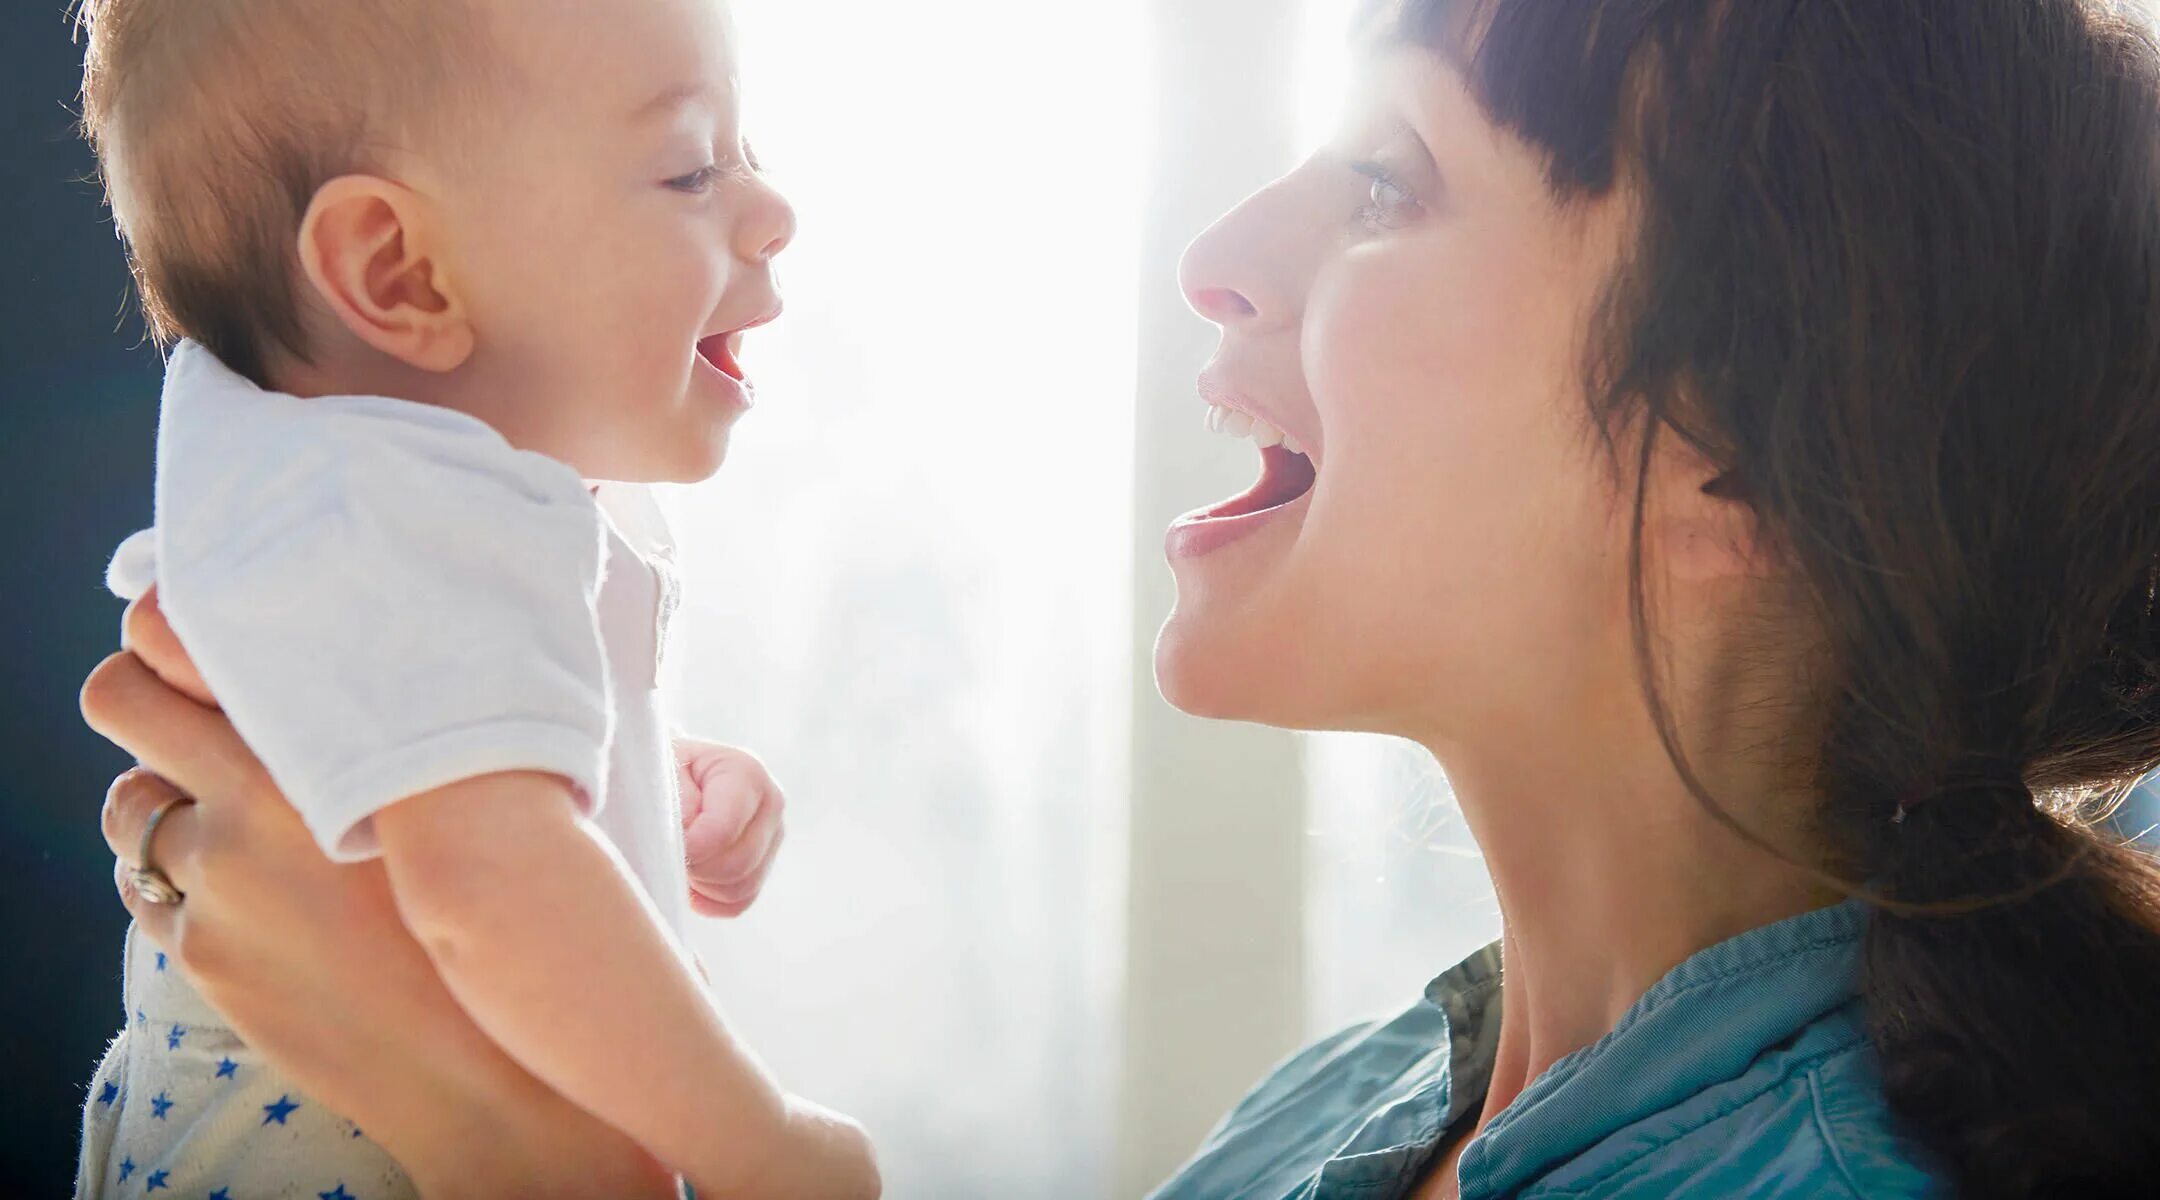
(1390, 204)
(696, 182)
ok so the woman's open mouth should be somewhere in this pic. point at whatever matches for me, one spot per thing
(1284, 477)
(1286, 481)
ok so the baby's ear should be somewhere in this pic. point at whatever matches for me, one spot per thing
(371, 249)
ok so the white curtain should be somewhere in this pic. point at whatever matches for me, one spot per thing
(1396, 892)
(907, 588)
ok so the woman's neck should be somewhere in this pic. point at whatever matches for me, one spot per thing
(1609, 874)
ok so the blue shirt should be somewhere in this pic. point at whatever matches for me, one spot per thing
(1745, 1072)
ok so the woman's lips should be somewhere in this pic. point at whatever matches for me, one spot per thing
(1299, 424)
(1285, 487)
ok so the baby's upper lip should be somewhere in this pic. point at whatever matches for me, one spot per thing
(1216, 388)
(769, 315)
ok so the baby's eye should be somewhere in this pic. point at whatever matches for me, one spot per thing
(697, 182)
(1391, 205)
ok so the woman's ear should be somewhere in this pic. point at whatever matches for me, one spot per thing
(372, 249)
(1701, 523)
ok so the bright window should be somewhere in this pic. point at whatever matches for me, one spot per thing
(908, 588)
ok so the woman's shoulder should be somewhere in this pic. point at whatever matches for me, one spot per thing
(1358, 1111)
(1806, 1119)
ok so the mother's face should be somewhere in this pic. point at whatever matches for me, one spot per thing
(1409, 306)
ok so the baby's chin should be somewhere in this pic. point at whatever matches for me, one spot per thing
(680, 448)
(711, 455)
(691, 460)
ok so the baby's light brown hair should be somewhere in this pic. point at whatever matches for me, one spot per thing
(216, 121)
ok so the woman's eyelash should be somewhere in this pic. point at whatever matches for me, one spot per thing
(1388, 198)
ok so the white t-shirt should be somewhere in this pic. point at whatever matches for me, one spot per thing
(387, 598)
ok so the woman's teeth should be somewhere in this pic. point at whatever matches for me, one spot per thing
(1231, 422)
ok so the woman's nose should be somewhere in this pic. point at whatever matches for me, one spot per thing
(1221, 305)
(1208, 276)
(1238, 272)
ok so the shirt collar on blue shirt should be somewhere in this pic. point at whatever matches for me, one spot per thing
(1706, 1021)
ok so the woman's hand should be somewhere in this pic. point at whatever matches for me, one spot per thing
(309, 961)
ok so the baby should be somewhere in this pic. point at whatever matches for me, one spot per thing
(439, 265)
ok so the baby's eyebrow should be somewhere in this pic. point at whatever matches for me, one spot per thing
(670, 100)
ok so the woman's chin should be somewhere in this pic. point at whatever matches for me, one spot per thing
(1206, 670)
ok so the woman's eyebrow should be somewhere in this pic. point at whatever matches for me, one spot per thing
(1420, 100)
(1402, 130)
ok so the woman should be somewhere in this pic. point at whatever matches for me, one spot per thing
(1733, 440)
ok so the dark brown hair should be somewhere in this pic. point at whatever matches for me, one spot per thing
(1898, 274)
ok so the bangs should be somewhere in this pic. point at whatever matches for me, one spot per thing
(1555, 73)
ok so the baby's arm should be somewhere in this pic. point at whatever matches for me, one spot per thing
(536, 927)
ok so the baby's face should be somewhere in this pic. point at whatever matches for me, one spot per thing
(614, 238)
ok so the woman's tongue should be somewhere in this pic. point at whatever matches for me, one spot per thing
(1284, 477)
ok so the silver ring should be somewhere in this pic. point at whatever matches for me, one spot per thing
(150, 883)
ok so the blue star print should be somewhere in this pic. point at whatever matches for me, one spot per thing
(279, 1111)
(172, 1040)
(339, 1194)
(127, 1168)
(161, 960)
(141, 1019)
(226, 1067)
(160, 1105)
(221, 1194)
(107, 1094)
(157, 1180)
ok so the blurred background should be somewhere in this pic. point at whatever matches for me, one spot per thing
(1033, 927)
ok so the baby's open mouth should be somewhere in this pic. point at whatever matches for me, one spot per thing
(720, 350)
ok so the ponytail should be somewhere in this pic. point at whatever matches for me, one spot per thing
(2019, 1035)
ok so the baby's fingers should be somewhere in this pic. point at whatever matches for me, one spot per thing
(728, 883)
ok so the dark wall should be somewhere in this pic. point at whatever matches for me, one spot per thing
(78, 404)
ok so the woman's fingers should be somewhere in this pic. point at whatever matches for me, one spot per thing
(193, 746)
(145, 633)
(129, 804)
(158, 922)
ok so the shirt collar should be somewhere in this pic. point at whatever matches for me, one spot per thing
(1703, 1023)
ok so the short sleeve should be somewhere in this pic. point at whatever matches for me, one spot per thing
(386, 599)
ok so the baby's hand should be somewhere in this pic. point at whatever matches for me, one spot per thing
(732, 826)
